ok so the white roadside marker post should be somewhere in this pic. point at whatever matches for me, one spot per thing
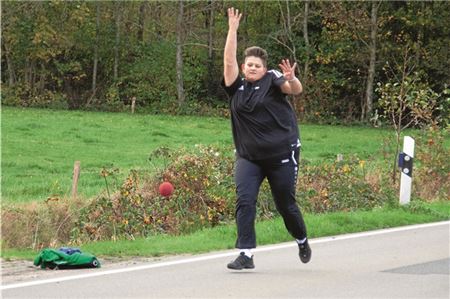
(405, 163)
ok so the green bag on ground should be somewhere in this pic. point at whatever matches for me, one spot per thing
(51, 258)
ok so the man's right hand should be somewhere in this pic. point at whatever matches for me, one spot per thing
(234, 17)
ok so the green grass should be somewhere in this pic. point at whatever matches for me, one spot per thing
(39, 147)
(268, 232)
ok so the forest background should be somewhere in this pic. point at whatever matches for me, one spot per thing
(166, 56)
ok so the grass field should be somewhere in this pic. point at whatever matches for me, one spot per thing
(39, 147)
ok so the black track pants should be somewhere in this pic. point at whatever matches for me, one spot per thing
(281, 174)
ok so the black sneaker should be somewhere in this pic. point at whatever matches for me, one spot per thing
(304, 252)
(242, 262)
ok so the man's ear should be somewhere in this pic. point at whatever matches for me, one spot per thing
(242, 67)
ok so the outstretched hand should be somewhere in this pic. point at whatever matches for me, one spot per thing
(234, 17)
(287, 69)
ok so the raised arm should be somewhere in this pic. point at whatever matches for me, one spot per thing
(292, 84)
(230, 64)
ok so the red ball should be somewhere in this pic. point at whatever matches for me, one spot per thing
(166, 189)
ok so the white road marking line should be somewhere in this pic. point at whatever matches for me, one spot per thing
(222, 255)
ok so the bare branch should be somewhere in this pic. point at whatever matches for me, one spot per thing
(199, 45)
(283, 44)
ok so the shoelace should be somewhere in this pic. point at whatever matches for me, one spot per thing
(242, 259)
(303, 250)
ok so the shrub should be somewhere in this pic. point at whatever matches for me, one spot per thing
(340, 186)
(432, 171)
(39, 225)
(202, 198)
(23, 95)
(146, 78)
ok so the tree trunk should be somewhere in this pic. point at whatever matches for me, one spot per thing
(211, 53)
(307, 46)
(179, 58)
(157, 16)
(304, 78)
(97, 28)
(288, 20)
(29, 72)
(367, 108)
(140, 32)
(10, 65)
(41, 83)
(420, 35)
(117, 41)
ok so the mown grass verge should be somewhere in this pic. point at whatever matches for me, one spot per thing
(268, 232)
(39, 146)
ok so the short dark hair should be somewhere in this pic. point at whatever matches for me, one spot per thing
(257, 52)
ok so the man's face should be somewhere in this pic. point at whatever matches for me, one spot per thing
(253, 68)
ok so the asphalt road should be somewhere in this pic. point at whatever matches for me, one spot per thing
(406, 262)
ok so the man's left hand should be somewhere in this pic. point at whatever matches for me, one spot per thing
(287, 69)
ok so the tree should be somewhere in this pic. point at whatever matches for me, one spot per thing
(367, 107)
(97, 29)
(179, 56)
(351, 23)
(307, 44)
(211, 53)
(286, 36)
(86, 53)
(117, 15)
(8, 39)
(405, 100)
(142, 12)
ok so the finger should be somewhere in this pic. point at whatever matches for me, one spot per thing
(237, 14)
(288, 64)
(294, 66)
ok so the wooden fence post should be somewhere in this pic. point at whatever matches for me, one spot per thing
(133, 104)
(76, 175)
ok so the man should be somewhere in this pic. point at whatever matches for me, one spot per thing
(266, 138)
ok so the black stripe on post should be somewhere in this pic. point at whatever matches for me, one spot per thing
(405, 162)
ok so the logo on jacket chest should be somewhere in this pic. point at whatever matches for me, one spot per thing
(251, 88)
